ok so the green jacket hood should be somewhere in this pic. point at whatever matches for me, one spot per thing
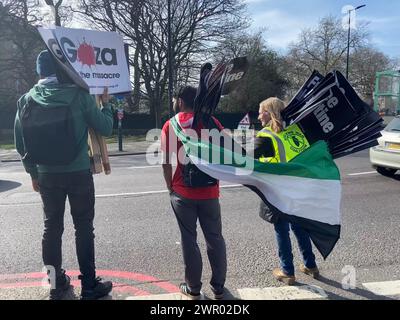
(54, 95)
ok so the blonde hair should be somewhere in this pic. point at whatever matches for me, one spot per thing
(274, 106)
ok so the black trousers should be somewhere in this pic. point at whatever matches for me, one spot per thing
(79, 188)
(208, 212)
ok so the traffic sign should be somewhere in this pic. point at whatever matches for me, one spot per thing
(120, 114)
(244, 124)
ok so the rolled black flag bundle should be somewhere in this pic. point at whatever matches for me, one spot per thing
(328, 108)
(221, 80)
(306, 89)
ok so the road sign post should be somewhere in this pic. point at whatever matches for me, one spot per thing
(120, 115)
(244, 125)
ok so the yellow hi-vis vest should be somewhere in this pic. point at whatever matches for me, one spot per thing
(287, 144)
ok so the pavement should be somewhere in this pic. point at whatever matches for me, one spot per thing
(128, 148)
(138, 241)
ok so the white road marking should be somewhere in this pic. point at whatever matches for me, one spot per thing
(227, 186)
(166, 296)
(144, 167)
(283, 293)
(159, 166)
(272, 293)
(33, 198)
(350, 174)
(384, 288)
(361, 173)
(304, 292)
(152, 192)
(111, 195)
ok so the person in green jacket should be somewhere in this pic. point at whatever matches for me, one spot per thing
(73, 180)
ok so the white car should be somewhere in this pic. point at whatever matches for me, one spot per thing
(386, 156)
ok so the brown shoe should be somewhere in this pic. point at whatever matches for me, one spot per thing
(313, 272)
(283, 277)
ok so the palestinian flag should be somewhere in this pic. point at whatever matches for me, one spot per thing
(305, 191)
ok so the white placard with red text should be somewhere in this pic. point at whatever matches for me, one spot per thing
(93, 59)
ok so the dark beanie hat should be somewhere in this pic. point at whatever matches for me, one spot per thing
(45, 64)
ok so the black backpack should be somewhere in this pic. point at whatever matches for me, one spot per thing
(48, 134)
(193, 176)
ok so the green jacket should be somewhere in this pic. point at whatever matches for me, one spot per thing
(85, 114)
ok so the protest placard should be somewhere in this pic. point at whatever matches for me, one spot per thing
(92, 59)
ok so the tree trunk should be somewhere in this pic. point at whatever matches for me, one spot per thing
(136, 81)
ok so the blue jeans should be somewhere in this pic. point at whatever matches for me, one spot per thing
(285, 246)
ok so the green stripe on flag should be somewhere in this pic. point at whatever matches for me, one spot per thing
(315, 163)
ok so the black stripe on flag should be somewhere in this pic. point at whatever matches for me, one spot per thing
(323, 235)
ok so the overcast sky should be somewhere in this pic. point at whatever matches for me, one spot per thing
(284, 19)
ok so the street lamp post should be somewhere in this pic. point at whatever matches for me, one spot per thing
(348, 39)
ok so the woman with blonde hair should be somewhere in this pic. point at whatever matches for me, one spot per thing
(270, 113)
(275, 143)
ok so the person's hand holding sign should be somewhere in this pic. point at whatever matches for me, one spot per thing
(105, 97)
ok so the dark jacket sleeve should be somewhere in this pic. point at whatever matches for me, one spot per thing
(269, 213)
(101, 120)
(29, 166)
(263, 147)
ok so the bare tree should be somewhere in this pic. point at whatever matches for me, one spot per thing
(264, 77)
(26, 10)
(19, 45)
(196, 26)
(322, 48)
(396, 62)
(59, 13)
(365, 63)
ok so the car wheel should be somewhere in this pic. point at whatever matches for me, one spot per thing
(387, 172)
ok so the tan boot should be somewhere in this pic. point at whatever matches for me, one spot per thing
(313, 272)
(283, 277)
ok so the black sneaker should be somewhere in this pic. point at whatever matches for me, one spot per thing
(184, 288)
(99, 290)
(218, 294)
(63, 283)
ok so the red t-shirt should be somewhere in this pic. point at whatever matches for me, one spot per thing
(170, 144)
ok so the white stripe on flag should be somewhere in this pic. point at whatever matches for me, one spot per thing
(292, 195)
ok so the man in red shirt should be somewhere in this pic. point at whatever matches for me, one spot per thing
(194, 201)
